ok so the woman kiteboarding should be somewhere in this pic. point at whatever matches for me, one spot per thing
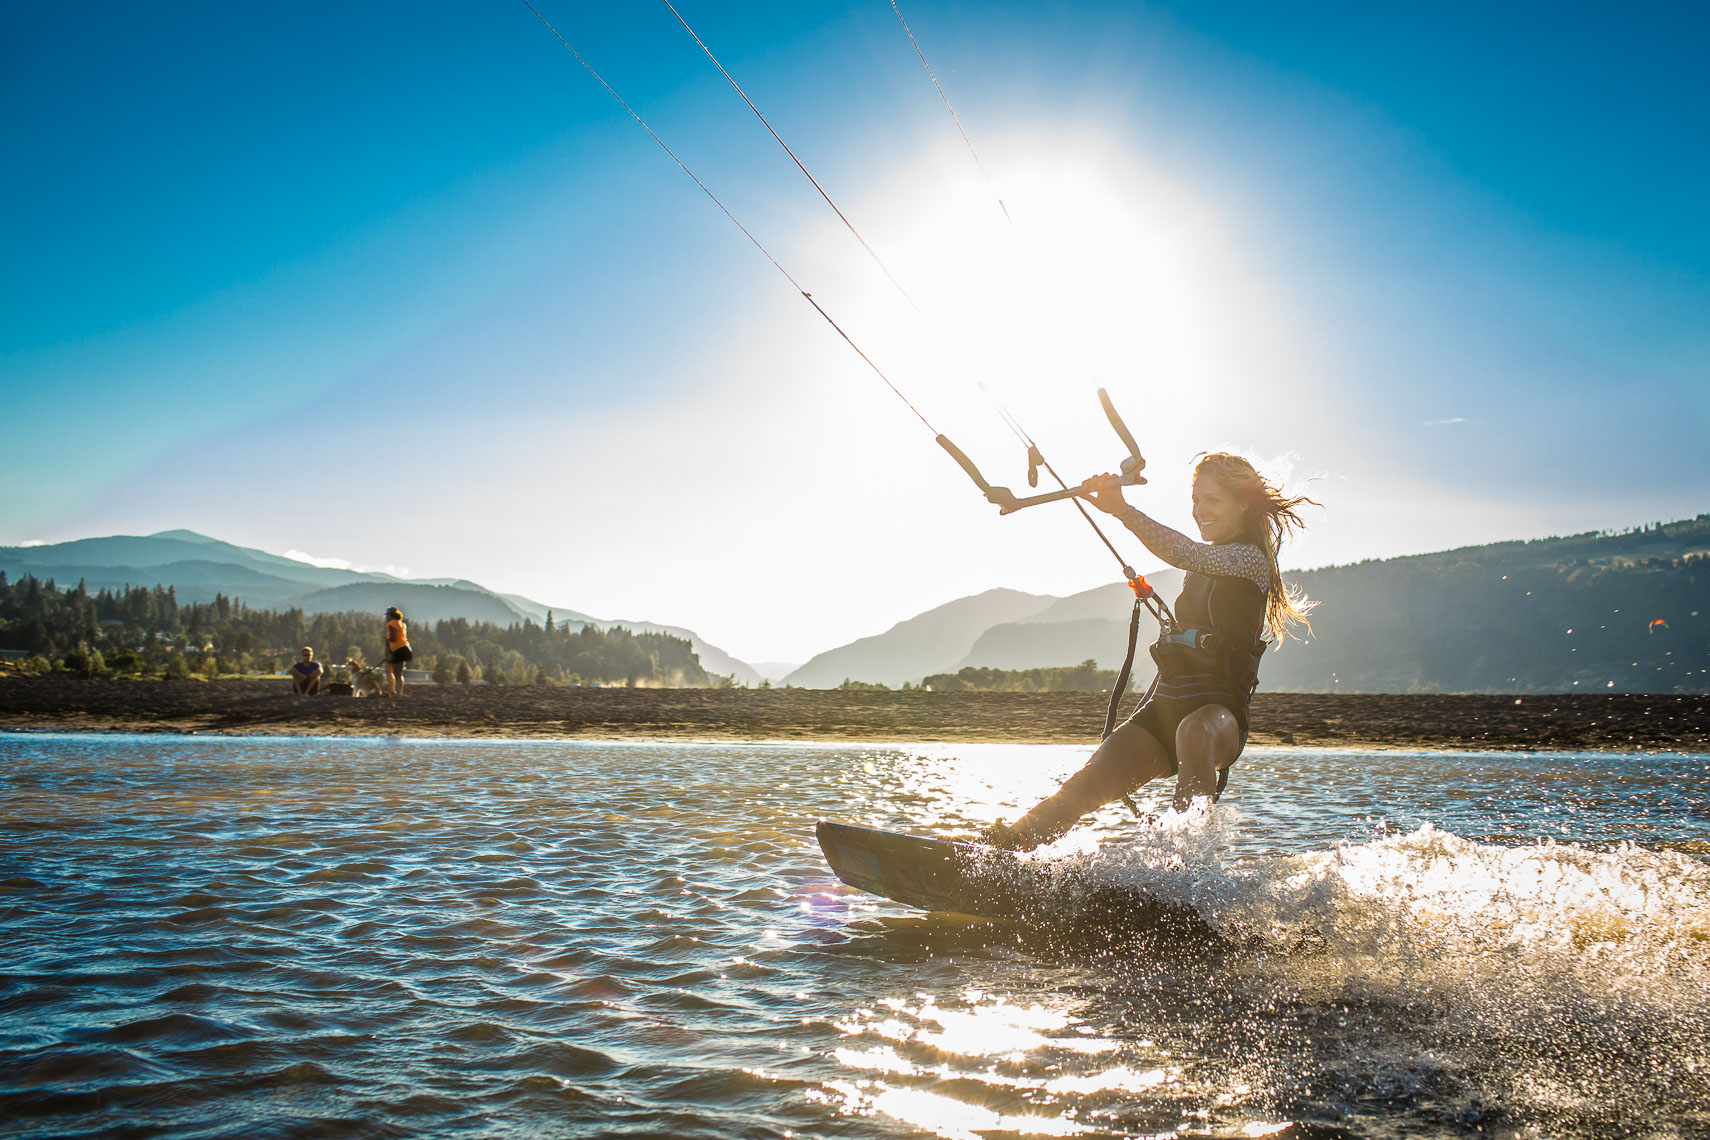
(1192, 723)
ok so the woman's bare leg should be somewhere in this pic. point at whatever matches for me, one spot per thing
(1208, 740)
(1129, 758)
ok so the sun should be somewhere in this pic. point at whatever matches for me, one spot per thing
(1104, 273)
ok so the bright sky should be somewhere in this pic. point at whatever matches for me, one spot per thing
(401, 285)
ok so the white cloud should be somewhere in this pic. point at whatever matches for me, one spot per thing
(342, 564)
(1442, 423)
(323, 563)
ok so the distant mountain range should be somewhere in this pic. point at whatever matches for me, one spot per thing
(1626, 612)
(1003, 629)
(926, 643)
(199, 567)
(1603, 612)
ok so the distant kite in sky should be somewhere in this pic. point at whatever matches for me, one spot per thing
(1656, 622)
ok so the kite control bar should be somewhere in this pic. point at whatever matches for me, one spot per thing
(1006, 500)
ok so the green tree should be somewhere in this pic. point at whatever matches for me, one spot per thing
(86, 662)
(127, 661)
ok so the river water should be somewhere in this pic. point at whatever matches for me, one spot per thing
(305, 937)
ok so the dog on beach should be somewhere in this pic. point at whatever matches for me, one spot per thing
(363, 681)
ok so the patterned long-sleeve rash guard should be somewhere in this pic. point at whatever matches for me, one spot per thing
(1231, 560)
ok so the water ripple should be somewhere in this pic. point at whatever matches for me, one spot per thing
(397, 938)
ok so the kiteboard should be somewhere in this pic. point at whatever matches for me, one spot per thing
(985, 882)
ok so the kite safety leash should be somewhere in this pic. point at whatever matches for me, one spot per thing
(1145, 597)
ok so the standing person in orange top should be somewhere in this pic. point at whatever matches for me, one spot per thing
(397, 650)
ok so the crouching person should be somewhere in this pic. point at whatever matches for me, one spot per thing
(306, 675)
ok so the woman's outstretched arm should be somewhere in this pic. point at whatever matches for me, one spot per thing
(1233, 560)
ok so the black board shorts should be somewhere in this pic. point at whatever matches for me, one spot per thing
(400, 655)
(1172, 698)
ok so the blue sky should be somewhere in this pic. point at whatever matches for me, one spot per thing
(400, 285)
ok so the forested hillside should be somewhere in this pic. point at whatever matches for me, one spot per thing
(146, 632)
(202, 569)
(1594, 612)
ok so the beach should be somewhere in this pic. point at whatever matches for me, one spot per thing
(1572, 722)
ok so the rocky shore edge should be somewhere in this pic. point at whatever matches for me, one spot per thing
(1568, 722)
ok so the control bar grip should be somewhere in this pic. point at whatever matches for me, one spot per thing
(1138, 462)
(965, 463)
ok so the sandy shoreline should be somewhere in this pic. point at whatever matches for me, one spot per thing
(1571, 722)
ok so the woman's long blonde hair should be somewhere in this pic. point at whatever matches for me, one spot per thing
(1271, 517)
